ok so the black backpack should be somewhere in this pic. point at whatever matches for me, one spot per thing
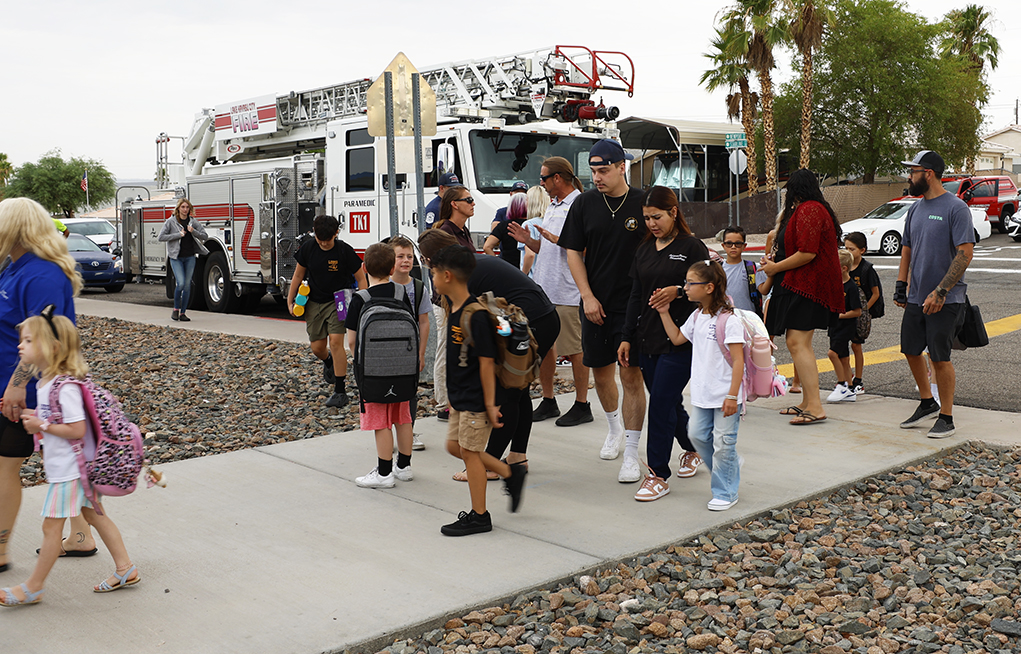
(386, 349)
(753, 289)
(878, 309)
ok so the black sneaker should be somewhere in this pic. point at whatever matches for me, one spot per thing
(942, 429)
(338, 400)
(176, 315)
(443, 416)
(515, 484)
(920, 414)
(547, 409)
(328, 374)
(468, 523)
(578, 414)
(184, 318)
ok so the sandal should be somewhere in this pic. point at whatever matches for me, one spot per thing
(463, 476)
(806, 418)
(792, 411)
(524, 462)
(9, 599)
(794, 389)
(122, 581)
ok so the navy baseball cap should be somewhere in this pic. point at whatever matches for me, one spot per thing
(518, 186)
(607, 152)
(449, 179)
(927, 159)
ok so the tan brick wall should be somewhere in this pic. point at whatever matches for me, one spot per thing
(851, 202)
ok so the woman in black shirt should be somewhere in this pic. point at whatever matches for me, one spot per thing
(658, 271)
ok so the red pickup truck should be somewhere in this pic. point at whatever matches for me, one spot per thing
(997, 193)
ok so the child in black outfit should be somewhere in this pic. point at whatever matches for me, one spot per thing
(472, 392)
(842, 329)
(865, 276)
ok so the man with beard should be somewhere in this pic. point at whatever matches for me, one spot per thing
(937, 247)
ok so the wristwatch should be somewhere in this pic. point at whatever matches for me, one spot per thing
(680, 290)
(941, 292)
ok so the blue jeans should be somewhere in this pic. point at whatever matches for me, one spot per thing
(183, 271)
(715, 440)
(665, 376)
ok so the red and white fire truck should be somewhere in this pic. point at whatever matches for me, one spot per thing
(259, 171)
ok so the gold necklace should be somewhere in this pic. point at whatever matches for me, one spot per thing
(613, 212)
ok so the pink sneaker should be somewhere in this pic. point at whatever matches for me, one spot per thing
(688, 464)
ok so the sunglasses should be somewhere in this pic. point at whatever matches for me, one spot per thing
(733, 244)
(469, 200)
(543, 178)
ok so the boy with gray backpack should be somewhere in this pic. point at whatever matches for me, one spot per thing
(383, 334)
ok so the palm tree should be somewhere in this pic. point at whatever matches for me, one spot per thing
(731, 70)
(806, 30)
(757, 31)
(966, 36)
(6, 169)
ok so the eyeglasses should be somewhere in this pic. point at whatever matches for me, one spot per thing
(917, 170)
(687, 283)
(733, 244)
(543, 178)
(469, 200)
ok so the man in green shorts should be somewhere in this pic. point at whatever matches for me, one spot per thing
(328, 265)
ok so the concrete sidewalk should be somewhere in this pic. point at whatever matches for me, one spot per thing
(276, 550)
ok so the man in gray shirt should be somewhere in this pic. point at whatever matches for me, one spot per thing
(937, 247)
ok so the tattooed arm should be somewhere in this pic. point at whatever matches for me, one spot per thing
(14, 395)
(934, 301)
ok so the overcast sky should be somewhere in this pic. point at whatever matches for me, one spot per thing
(102, 79)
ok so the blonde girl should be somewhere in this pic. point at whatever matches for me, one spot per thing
(50, 343)
(716, 390)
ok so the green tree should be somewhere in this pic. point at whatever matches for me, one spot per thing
(758, 29)
(731, 70)
(6, 170)
(56, 183)
(882, 92)
(967, 36)
(808, 21)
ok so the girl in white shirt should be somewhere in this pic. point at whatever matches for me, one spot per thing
(51, 344)
(716, 390)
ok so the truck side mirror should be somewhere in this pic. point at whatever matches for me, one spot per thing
(444, 159)
(969, 194)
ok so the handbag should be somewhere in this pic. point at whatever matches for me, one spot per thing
(972, 332)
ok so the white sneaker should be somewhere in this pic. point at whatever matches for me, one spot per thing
(611, 448)
(841, 393)
(630, 471)
(416, 443)
(720, 505)
(404, 474)
(652, 489)
(376, 480)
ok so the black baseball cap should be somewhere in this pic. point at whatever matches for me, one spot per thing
(927, 159)
(607, 152)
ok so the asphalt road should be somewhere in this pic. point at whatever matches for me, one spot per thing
(985, 376)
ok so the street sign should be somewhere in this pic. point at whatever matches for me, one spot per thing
(403, 106)
(736, 140)
(738, 162)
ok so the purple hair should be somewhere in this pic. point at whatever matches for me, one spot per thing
(517, 208)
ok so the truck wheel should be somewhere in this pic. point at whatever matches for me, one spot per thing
(1004, 215)
(890, 244)
(217, 288)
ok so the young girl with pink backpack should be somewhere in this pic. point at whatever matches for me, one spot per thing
(717, 388)
(51, 344)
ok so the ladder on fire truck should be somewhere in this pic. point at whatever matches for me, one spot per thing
(554, 83)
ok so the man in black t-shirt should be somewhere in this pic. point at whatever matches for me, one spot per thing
(603, 229)
(328, 265)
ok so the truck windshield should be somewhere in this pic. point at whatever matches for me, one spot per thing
(502, 158)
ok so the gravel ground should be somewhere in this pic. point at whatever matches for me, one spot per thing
(197, 393)
(924, 559)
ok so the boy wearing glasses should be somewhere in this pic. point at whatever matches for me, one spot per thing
(745, 282)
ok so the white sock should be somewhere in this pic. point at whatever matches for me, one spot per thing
(634, 436)
(613, 418)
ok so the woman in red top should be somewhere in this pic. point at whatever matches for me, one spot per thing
(807, 284)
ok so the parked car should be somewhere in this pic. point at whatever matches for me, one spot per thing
(996, 195)
(98, 268)
(99, 231)
(883, 227)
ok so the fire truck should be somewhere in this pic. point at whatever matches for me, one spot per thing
(260, 170)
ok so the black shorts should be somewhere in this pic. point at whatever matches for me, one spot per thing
(546, 329)
(840, 345)
(599, 343)
(935, 331)
(15, 442)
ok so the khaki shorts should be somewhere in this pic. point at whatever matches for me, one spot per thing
(321, 320)
(470, 429)
(569, 340)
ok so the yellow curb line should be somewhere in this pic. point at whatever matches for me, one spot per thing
(888, 354)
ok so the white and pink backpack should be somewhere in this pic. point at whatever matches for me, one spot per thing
(119, 451)
(761, 378)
